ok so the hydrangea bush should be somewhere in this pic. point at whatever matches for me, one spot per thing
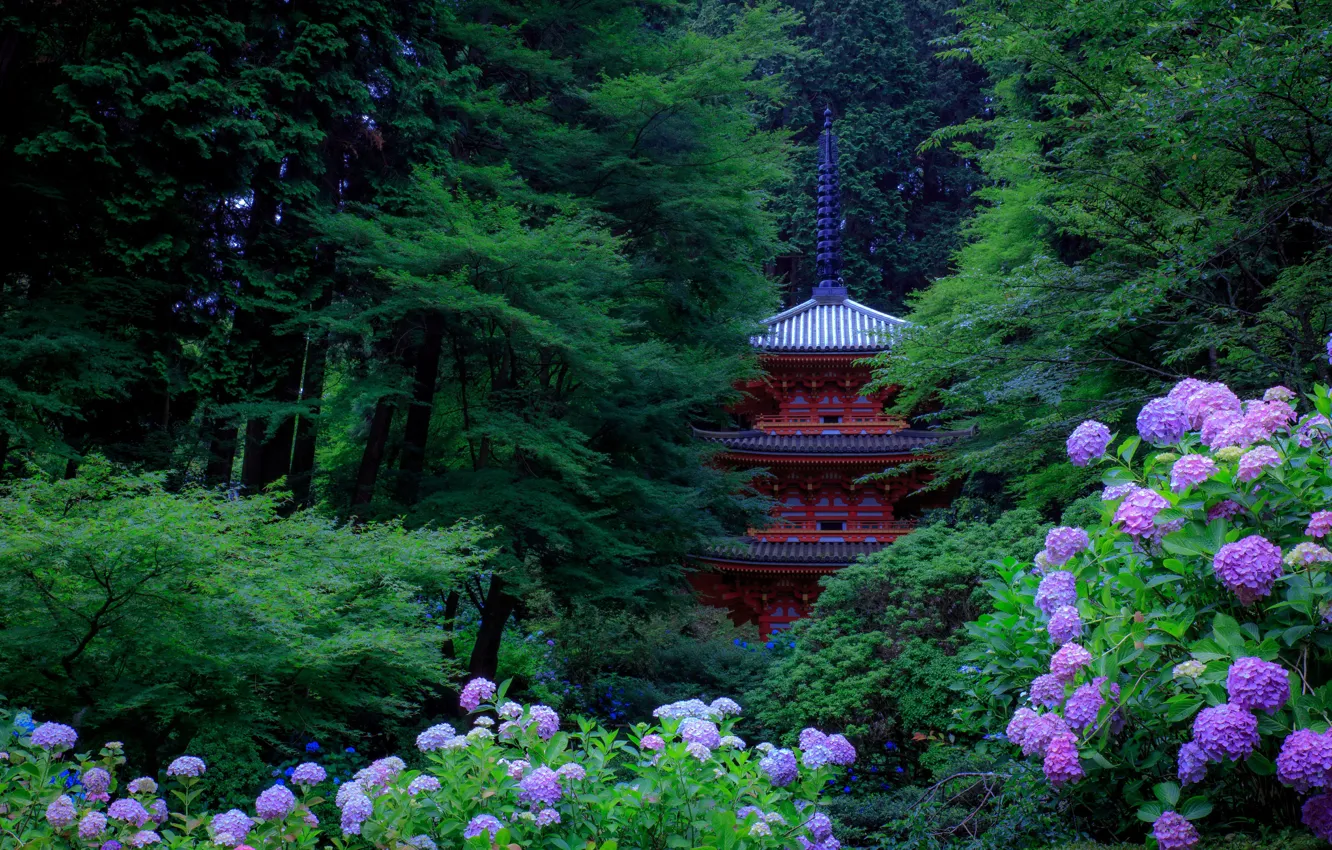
(512, 777)
(1185, 639)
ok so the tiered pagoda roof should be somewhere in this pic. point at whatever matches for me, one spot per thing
(900, 443)
(789, 557)
(829, 322)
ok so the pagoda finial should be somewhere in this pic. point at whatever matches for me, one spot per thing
(829, 251)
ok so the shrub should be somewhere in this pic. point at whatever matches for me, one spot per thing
(1182, 640)
(684, 781)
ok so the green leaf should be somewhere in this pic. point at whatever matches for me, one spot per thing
(1195, 808)
(1150, 812)
(1260, 765)
(1167, 793)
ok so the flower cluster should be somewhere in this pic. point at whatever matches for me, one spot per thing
(1248, 567)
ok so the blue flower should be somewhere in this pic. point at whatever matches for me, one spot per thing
(769, 644)
(337, 780)
(351, 750)
(898, 769)
(846, 790)
(890, 746)
(736, 642)
(289, 771)
(312, 747)
(791, 644)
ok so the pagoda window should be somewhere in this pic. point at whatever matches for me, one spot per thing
(829, 525)
(831, 420)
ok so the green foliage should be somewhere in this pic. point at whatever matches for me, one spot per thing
(880, 649)
(163, 619)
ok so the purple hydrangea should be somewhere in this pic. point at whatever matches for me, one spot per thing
(811, 738)
(698, 751)
(1021, 723)
(1087, 441)
(111, 845)
(1305, 760)
(424, 782)
(1248, 567)
(1137, 513)
(187, 766)
(819, 826)
(816, 756)
(1255, 461)
(1218, 425)
(780, 767)
(1068, 660)
(143, 838)
(1257, 685)
(1320, 523)
(697, 731)
(1184, 390)
(686, 708)
(54, 736)
(1085, 704)
(1226, 732)
(142, 785)
(843, 754)
(96, 781)
(1047, 691)
(1173, 832)
(1317, 811)
(356, 808)
(158, 810)
(92, 826)
(1056, 590)
(482, 823)
(1208, 400)
(1062, 764)
(129, 811)
(1065, 625)
(1190, 470)
(230, 828)
(1192, 764)
(61, 813)
(516, 768)
(547, 721)
(1163, 421)
(1311, 427)
(1117, 491)
(308, 773)
(1224, 510)
(1307, 554)
(275, 803)
(1267, 417)
(510, 709)
(476, 692)
(434, 738)
(571, 771)
(1041, 732)
(540, 786)
(547, 817)
(652, 742)
(725, 706)
(1063, 542)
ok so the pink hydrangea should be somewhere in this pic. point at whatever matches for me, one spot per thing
(1137, 513)
(1311, 426)
(1065, 625)
(1226, 732)
(1088, 440)
(1017, 729)
(1248, 567)
(1062, 764)
(1163, 421)
(1267, 417)
(1190, 470)
(1317, 811)
(1257, 685)
(652, 742)
(697, 731)
(1064, 542)
(1068, 660)
(571, 771)
(1192, 764)
(1184, 390)
(1208, 400)
(1217, 425)
(1307, 554)
(1224, 510)
(1320, 523)
(1086, 703)
(1173, 832)
(1047, 691)
(1041, 731)
(1255, 461)
(1057, 590)
(1305, 760)
(476, 692)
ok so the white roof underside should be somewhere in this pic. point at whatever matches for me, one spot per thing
(823, 325)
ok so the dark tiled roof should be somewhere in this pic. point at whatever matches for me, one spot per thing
(903, 442)
(758, 552)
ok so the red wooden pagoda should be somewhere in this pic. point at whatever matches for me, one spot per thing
(812, 434)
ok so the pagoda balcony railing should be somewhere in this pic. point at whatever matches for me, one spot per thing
(855, 531)
(787, 425)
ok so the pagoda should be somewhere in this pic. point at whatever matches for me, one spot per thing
(811, 434)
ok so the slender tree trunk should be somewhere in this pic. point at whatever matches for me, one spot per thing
(450, 617)
(272, 452)
(373, 454)
(252, 461)
(221, 453)
(417, 429)
(307, 425)
(485, 653)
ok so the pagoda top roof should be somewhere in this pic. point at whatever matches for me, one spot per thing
(908, 441)
(829, 322)
(749, 551)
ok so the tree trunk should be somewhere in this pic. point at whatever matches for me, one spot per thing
(307, 425)
(221, 453)
(485, 653)
(268, 456)
(417, 429)
(373, 454)
(450, 616)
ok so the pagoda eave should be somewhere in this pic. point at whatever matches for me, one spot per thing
(845, 460)
(724, 565)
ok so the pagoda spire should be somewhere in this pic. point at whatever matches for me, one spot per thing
(829, 251)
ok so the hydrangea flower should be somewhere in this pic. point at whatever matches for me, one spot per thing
(482, 823)
(1248, 567)
(1047, 691)
(476, 692)
(1062, 764)
(1208, 400)
(547, 817)
(843, 753)
(1226, 732)
(1018, 726)
(811, 738)
(1190, 669)
(143, 838)
(231, 827)
(1068, 660)
(308, 773)
(1192, 764)
(516, 768)
(1254, 461)
(142, 785)
(760, 829)
(698, 751)
(129, 811)
(1320, 523)
(540, 786)
(1310, 427)
(725, 706)
(1065, 625)
(1085, 704)
(185, 766)
(1136, 515)
(1041, 732)
(1056, 590)
(433, 738)
(157, 809)
(1173, 832)
(1224, 509)
(686, 708)
(356, 808)
(55, 737)
(477, 734)
(652, 742)
(96, 781)
(275, 803)
(1190, 470)
(732, 742)
(1305, 760)
(1217, 431)
(1087, 441)
(704, 732)
(1184, 390)
(819, 826)
(572, 771)
(1279, 393)
(61, 813)
(1317, 811)
(1257, 685)
(1117, 491)
(1163, 421)
(780, 767)
(1063, 542)
(424, 782)
(510, 710)
(547, 721)
(93, 825)
(421, 842)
